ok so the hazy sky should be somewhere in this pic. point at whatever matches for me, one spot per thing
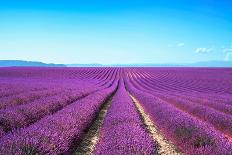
(116, 31)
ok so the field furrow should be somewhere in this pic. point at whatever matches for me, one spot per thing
(55, 133)
(123, 131)
(189, 134)
(115, 111)
(165, 146)
(90, 139)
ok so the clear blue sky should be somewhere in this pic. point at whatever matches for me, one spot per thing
(116, 31)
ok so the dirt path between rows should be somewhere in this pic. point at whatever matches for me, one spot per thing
(88, 144)
(165, 147)
(90, 139)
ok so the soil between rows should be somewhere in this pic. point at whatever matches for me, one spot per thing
(90, 139)
(165, 147)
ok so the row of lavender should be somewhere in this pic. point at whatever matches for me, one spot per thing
(123, 131)
(27, 86)
(49, 119)
(50, 123)
(34, 105)
(54, 134)
(194, 80)
(195, 127)
(215, 113)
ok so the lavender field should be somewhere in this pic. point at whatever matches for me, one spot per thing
(115, 111)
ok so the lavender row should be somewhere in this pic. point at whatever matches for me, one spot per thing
(219, 120)
(212, 103)
(122, 131)
(23, 115)
(24, 98)
(21, 80)
(53, 72)
(192, 80)
(215, 101)
(16, 89)
(191, 135)
(225, 99)
(13, 86)
(55, 133)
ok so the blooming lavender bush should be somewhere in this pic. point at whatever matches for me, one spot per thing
(123, 131)
(55, 133)
(188, 133)
(50, 110)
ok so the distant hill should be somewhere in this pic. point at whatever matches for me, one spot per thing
(8, 63)
(13, 63)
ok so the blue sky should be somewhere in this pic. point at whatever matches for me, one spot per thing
(110, 31)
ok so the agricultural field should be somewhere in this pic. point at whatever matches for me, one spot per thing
(115, 111)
